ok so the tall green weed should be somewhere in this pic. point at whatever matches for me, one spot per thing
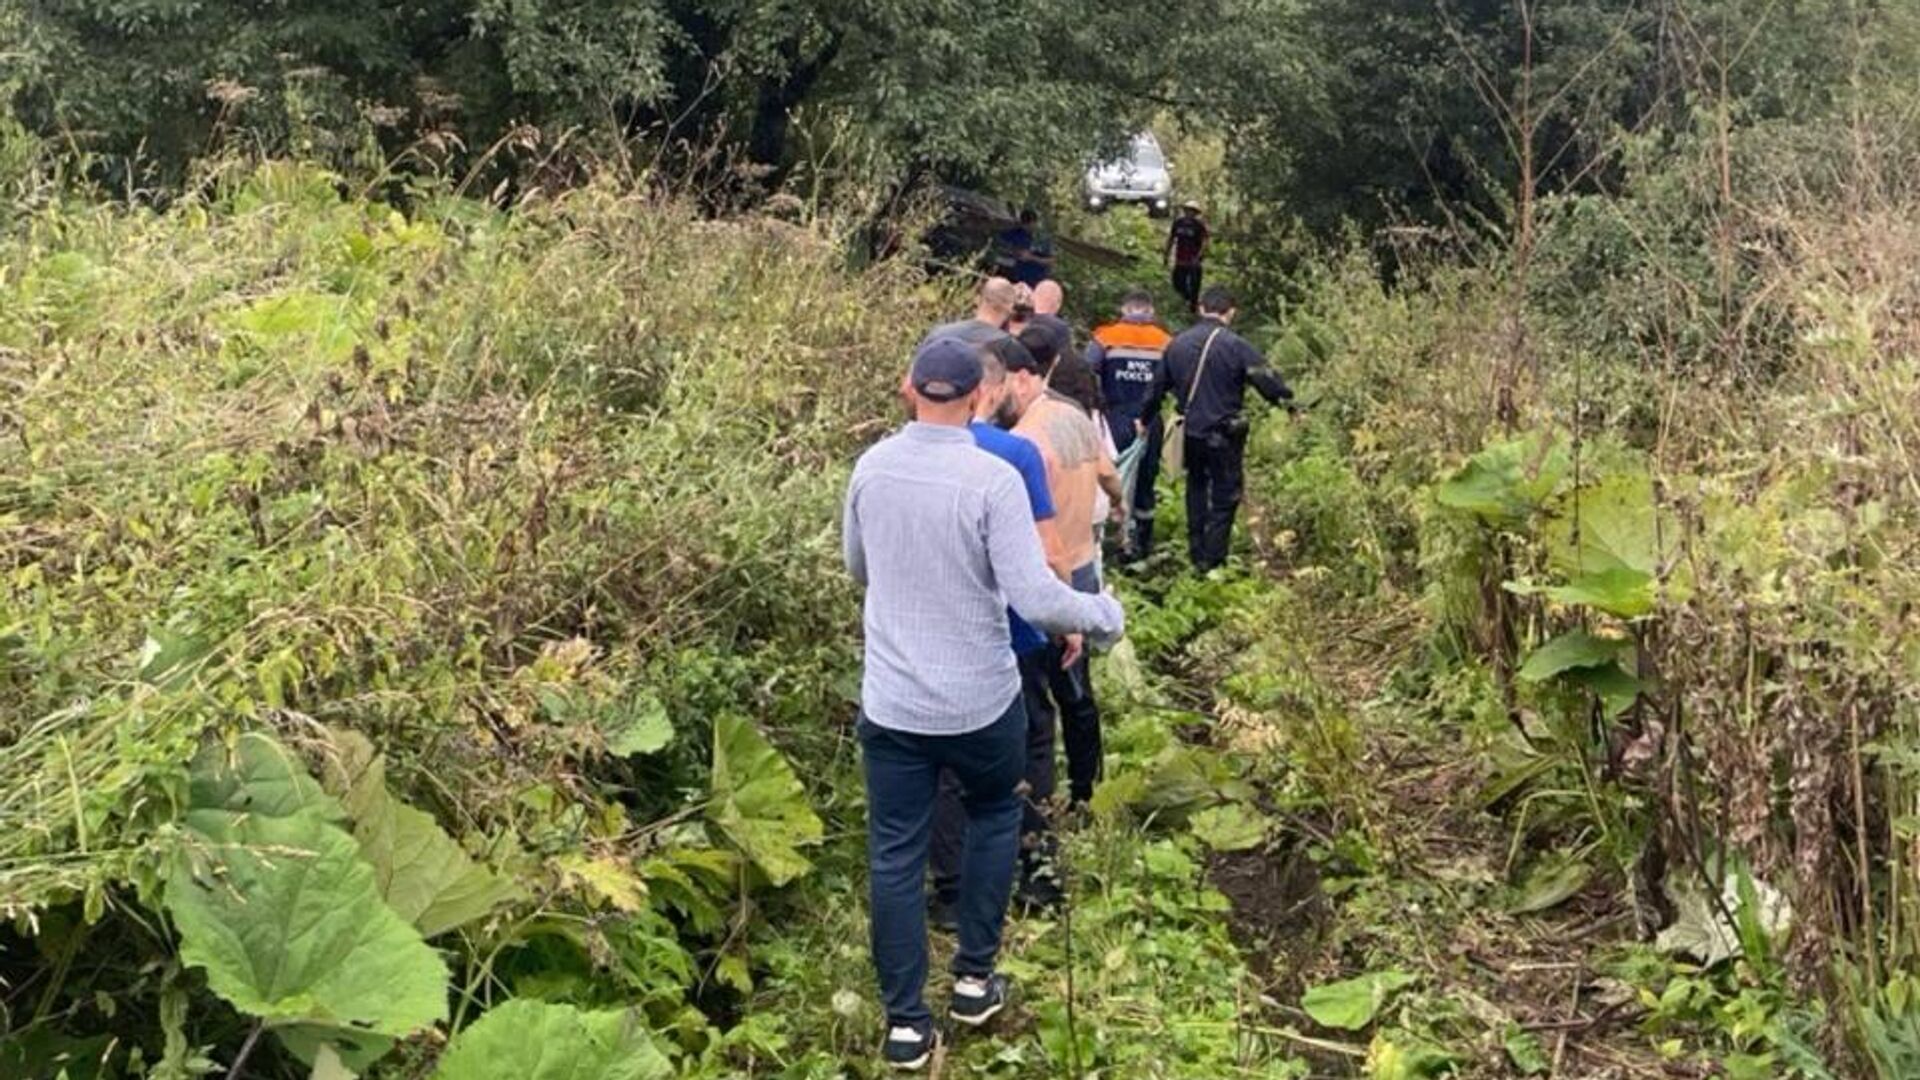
(541, 503)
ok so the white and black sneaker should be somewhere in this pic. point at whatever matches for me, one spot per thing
(910, 1047)
(978, 998)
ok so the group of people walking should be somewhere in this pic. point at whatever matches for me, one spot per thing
(976, 532)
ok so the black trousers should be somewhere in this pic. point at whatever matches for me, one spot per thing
(1216, 472)
(1072, 690)
(1186, 282)
(950, 818)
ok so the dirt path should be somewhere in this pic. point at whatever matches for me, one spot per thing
(1415, 876)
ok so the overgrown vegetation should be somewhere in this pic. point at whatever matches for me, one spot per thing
(423, 651)
(294, 477)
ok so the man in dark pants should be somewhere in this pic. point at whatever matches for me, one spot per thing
(1129, 356)
(993, 415)
(1070, 444)
(941, 535)
(1186, 252)
(1209, 368)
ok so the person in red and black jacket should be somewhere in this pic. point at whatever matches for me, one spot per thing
(1186, 252)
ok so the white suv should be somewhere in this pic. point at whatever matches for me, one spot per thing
(1142, 176)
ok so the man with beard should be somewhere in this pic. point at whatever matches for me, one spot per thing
(1071, 445)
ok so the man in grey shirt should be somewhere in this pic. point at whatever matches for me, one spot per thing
(993, 306)
(941, 534)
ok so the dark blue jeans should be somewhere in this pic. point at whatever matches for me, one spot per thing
(902, 774)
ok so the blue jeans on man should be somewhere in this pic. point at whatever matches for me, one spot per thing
(902, 775)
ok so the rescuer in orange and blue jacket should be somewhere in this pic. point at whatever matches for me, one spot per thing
(1129, 355)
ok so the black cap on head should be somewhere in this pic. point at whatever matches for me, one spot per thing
(1013, 355)
(1043, 344)
(1218, 300)
(946, 369)
(1046, 337)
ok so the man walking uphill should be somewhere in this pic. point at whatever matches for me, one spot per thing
(992, 306)
(1186, 252)
(941, 534)
(1070, 444)
(993, 415)
(1209, 368)
(1129, 355)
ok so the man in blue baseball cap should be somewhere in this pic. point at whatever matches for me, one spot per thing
(941, 534)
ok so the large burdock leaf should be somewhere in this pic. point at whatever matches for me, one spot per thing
(1231, 827)
(257, 775)
(1590, 661)
(1351, 1003)
(285, 918)
(1617, 528)
(758, 802)
(534, 1040)
(1619, 590)
(1616, 688)
(421, 871)
(639, 725)
(1505, 482)
(1570, 651)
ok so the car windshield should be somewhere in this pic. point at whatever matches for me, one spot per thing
(1146, 154)
(1143, 156)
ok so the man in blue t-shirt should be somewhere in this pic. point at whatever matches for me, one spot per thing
(1029, 648)
(1026, 252)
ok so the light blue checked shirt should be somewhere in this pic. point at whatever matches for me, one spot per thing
(941, 534)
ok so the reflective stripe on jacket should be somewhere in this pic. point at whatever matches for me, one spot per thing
(1130, 356)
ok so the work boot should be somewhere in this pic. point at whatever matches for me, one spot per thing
(1142, 542)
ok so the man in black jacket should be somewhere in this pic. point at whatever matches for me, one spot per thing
(1208, 370)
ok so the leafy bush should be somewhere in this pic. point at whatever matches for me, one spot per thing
(500, 496)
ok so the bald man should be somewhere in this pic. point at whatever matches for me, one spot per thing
(993, 305)
(1048, 298)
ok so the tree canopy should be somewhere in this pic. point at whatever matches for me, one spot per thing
(1331, 110)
